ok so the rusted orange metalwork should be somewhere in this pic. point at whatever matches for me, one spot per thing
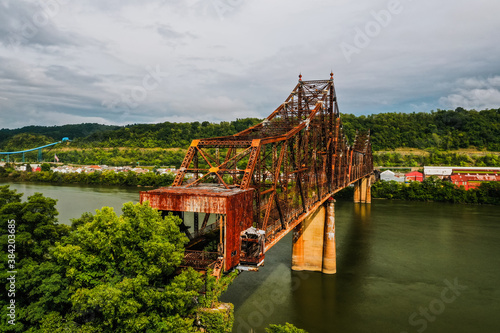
(293, 161)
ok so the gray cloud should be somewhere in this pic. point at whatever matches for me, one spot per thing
(226, 59)
(24, 23)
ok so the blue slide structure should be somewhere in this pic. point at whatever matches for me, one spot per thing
(33, 149)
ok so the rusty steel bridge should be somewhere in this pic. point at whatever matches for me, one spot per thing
(252, 188)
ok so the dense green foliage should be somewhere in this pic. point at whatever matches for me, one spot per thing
(122, 157)
(108, 156)
(36, 231)
(128, 178)
(108, 177)
(25, 141)
(287, 328)
(165, 135)
(442, 129)
(218, 319)
(49, 134)
(108, 273)
(435, 189)
(395, 159)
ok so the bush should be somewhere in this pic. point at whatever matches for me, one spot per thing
(287, 328)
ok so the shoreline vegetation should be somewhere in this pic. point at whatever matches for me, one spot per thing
(400, 157)
(431, 189)
(108, 177)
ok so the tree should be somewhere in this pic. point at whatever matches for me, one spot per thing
(36, 223)
(121, 273)
(109, 274)
(45, 167)
(36, 232)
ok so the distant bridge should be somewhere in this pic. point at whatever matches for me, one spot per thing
(40, 156)
(258, 185)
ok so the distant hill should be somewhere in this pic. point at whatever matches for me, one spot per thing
(54, 133)
(164, 135)
(441, 129)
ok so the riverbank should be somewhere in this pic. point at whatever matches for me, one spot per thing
(399, 157)
(431, 189)
(108, 177)
(437, 190)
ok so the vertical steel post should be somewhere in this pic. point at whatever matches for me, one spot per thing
(196, 223)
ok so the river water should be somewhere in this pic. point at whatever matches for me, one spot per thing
(401, 267)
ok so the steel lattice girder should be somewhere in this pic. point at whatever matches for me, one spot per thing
(295, 158)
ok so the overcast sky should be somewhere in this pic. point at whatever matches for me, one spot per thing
(123, 62)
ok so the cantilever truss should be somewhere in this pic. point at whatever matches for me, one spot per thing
(296, 158)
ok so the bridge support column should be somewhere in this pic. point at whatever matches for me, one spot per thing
(314, 241)
(368, 197)
(357, 191)
(307, 253)
(329, 250)
(298, 248)
(362, 190)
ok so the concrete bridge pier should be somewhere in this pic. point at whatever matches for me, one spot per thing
(314, 238)
(329, 247)
(314, 241)
(363, 190)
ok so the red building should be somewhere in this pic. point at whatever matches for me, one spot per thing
(414, 176)
(472, 178)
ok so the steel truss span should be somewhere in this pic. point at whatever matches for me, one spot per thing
(293, 161)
